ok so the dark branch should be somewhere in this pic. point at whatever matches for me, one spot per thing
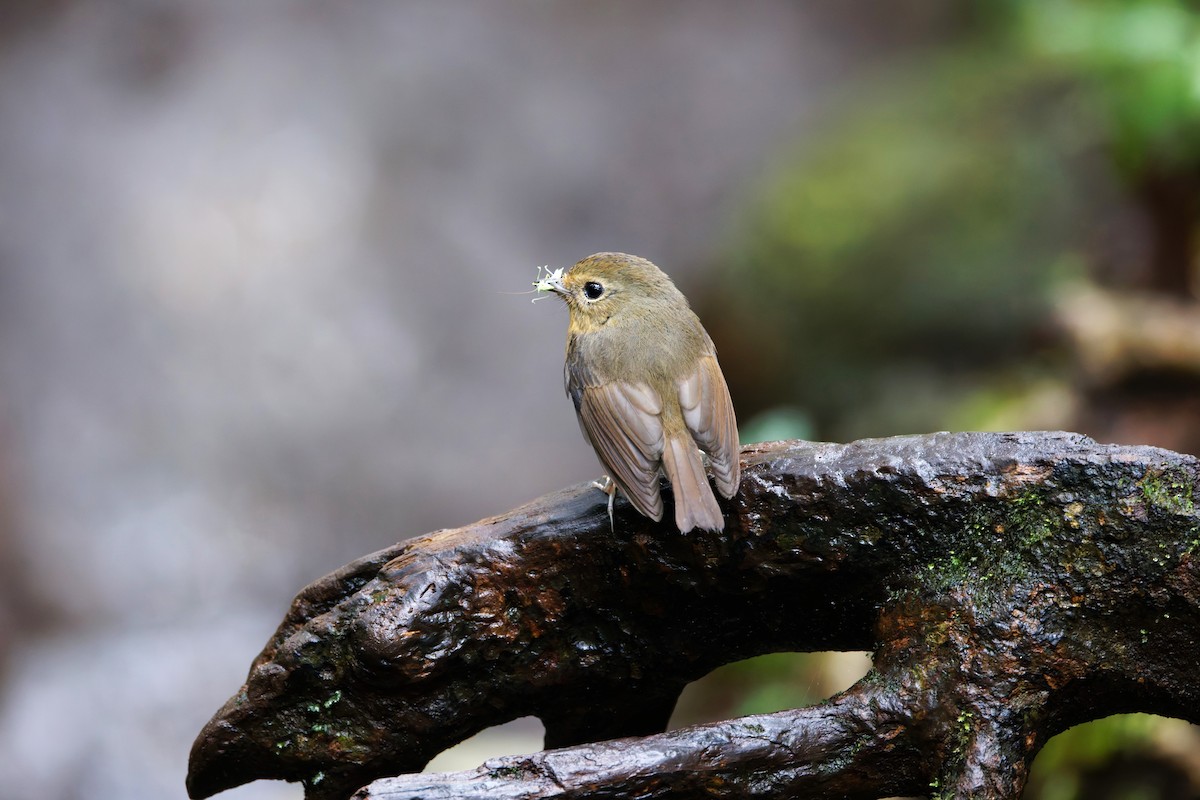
(1011, 585)
(845, 748)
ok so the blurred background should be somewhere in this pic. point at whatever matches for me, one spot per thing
(257, 310)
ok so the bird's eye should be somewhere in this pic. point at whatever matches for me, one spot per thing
(593, 290)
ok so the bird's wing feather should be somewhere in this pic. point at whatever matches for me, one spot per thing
(708, 414)
(622, 422)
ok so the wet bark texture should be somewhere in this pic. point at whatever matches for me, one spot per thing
(1010, 586)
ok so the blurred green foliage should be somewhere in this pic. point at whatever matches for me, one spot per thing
(1141, 61)
(767, 683)
(913, 246)
(1076, 758)
(894, 265)
(773, 425)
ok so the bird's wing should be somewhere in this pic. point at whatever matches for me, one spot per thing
(708, 414)
(622, 422)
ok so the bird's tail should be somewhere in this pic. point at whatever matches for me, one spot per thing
(695, 504)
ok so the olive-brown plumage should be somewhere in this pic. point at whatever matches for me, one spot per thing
(649, 393)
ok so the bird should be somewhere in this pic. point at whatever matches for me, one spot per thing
(650, 396)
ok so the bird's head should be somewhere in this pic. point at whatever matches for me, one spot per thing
(605, 286)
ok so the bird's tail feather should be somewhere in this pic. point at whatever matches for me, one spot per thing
(695, 504)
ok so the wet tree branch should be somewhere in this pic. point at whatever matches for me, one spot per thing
(1010, 585)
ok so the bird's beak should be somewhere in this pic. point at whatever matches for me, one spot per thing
(552, 283)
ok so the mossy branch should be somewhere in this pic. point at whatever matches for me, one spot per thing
(1010, 586)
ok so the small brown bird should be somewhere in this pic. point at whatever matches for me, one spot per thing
(649, 393)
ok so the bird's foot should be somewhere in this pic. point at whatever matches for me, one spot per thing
(609, 487)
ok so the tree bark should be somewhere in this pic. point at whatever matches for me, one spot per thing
(1010, 586)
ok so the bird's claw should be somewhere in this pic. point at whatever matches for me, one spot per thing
(609, 487)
